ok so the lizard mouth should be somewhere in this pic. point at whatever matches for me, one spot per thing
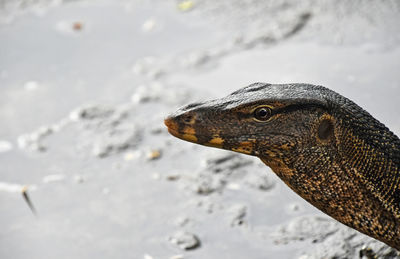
(173, 129)
(183, 135)
(188, 133)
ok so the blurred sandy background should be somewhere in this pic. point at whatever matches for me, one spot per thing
(84, 88)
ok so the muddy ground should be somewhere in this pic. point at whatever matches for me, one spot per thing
(84, 88)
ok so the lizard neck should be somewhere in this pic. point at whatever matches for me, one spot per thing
(340, 189)
(370, 152)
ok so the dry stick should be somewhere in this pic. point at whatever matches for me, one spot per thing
(28, 200)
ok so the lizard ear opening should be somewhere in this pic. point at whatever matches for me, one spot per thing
(325, 129)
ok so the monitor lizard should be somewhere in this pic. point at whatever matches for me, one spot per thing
(325, 147)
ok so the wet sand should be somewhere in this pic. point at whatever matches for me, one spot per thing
(85, 87)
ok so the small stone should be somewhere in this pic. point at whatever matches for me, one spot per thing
(147, 256)
(154, 154)
(185, 240)
(173, 177)
(77, 26)
(177, 257)
(185, 5)
(68, 27)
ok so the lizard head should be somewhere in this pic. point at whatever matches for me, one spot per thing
(325, 147)
(273, 122)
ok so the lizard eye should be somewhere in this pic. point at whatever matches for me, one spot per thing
(262, 113)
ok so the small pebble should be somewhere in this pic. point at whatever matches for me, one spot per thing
(185, 5)
(154, 154)
(146, 256)
(177, 257)
(77, 26)
(68, 27)
(173, 177)
(185, 240)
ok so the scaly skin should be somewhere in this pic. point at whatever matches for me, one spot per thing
(322, 145)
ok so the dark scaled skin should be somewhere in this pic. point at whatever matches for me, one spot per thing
(323, 146)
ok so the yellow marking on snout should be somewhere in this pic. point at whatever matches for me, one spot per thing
(189, 130)
(190, 137)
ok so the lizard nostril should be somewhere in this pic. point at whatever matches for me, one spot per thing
(170, 123)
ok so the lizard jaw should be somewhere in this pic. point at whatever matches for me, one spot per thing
(189, 134)
(173, 129)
